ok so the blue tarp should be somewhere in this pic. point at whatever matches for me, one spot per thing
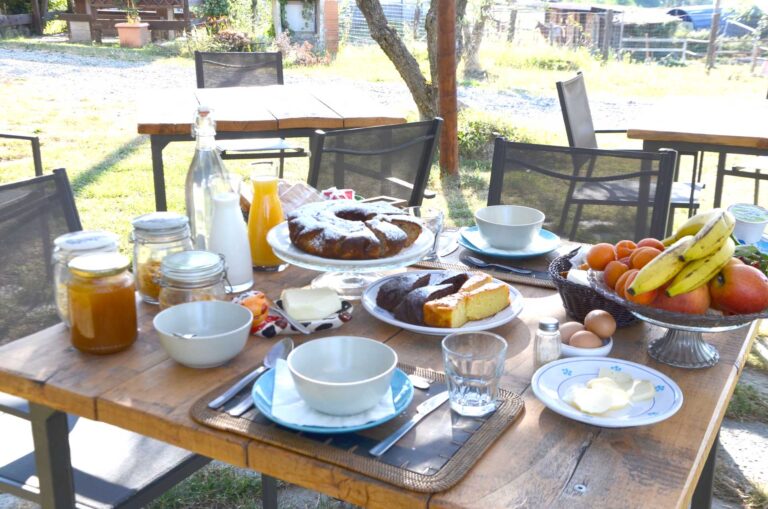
(700, 15)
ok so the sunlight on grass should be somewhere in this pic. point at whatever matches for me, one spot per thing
(748, 404)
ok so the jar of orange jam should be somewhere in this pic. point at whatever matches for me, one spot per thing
(102, 303)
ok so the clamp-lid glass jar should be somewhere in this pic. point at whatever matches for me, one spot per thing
(155, 236)
(192, 276)
(102, 303)
(69, 246)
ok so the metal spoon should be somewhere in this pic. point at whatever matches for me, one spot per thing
(279, 350)
(477, 262)
(420, 382)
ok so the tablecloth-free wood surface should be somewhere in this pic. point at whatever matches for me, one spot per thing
(542, 460)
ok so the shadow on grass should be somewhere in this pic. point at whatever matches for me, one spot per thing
(94, 173)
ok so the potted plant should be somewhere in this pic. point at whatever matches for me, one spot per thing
(133, 33)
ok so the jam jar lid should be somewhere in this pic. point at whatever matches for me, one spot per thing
(86, 240)
(193, 267)
(98, 264)
(161, 224)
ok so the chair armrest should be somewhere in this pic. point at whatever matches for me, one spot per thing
(610, 131)
(427, 193)
(35, 141)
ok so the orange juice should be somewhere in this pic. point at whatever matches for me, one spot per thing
(266, 212)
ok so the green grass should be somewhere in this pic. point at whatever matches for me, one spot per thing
(748, 404)
(214, 487)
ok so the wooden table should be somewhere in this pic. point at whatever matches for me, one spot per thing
(739, 129)
(254, 112)
(542, 460)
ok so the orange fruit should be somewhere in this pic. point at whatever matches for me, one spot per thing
(621, 283)
(600, 255)
(613, 271)
(642, 256)
(651, 242)
(625, 248)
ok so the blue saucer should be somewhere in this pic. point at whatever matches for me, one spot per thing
(470, 238)
(402, 394)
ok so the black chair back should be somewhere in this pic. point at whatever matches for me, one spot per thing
(587, 195)
(33, 213)
(576, 113)
(391, 160)
(236, 69)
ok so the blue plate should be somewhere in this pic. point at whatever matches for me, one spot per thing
(470, 238)
(402, 394)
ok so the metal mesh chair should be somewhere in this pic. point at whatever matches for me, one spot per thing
(587, 195)
(107, 466)
(237, 69)
(35, 141)
(392, 161)
(582, 134)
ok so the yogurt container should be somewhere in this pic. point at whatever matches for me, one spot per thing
(750, 222)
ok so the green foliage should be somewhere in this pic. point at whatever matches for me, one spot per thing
(549, 58)
(227, 14)
(15, 7)
(747, 404)
(478, 130)
(213, 487)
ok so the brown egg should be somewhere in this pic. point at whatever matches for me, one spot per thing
(568, 329)
(601, 323)
(586, 339)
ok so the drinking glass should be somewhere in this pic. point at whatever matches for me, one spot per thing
(474, 363)
(433, 219)
(266, 212)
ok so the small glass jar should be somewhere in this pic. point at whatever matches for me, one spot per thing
(102, 303)
(192, 276)
(155, 236)
(546, 346)
(69, 246)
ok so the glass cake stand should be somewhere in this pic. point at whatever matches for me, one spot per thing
(348, 278)
(682, 345)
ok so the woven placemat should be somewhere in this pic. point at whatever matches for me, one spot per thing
(430, 458)
(504, 276)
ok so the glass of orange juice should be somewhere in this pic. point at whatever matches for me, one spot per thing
(266, 212)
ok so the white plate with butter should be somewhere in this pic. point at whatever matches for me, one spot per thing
(554, 384)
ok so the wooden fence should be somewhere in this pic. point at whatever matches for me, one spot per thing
(15, 20)
(680, 46)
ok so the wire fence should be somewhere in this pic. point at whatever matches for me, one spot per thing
(637, 34)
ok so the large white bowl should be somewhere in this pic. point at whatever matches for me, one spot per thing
(509, 227)
(342, 375)
(220, 328)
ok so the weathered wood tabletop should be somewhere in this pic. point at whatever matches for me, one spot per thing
(542, 460)
(739, 126)
(267, 108)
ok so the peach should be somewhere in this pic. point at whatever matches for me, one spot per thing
(695, 302)
(651, 242)
(642, 256)
(612, 272)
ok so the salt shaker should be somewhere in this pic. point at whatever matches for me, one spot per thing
(546, 346)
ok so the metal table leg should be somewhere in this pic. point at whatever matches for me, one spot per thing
(702, 495)
(157, 144)
(719, 181)
(54, 469)
(268, 492)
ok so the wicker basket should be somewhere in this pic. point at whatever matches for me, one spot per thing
(579, 300)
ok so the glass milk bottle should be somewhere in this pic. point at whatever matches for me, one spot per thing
(229, 234)
(205, 166)
(266, 212)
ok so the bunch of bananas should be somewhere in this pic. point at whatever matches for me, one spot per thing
(695, 254)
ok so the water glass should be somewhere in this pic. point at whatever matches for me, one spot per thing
(474, 363)
(433, 219)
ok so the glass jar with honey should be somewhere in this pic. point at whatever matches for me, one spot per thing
(192, 276)
(155, 236)
(69, 246)
(102, 303)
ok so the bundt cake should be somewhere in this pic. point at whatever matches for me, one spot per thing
(465, 306)
(347, 230)
(394, 291)
(411, 310)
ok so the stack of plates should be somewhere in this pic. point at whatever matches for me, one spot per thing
(546, 241)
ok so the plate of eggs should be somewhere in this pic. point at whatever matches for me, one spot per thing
(590, 339)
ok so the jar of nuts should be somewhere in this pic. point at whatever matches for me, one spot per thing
(155, 236)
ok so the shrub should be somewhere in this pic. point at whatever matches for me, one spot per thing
(230, 40)
(303, 54)
(478, 130)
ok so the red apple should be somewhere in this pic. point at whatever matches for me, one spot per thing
(695, 302)
(739, 289)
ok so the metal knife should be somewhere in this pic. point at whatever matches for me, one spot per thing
(424, 409)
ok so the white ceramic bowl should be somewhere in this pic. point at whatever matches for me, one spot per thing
(575, 351)
(342, 375)
(509, 227)
(221, 330)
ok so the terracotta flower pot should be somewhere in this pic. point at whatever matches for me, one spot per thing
(133, 35)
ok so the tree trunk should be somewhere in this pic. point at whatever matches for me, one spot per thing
(461, 10)
(430, 26)
(474, 38)
(422, 91)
